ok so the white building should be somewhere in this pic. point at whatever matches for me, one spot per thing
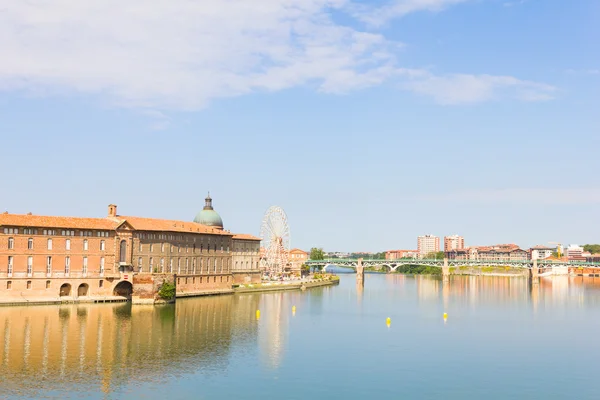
(541, 252)
(575, 252)
(428, 244)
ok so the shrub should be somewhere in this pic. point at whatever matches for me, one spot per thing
(167, 290)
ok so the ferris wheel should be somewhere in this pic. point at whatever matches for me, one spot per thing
(275, 240)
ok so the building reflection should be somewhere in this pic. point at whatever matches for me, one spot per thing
(112, 344)
(276, 310)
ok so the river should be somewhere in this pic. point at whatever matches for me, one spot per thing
(503, 338)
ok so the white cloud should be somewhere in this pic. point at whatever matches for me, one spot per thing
(461, 88)
(180, 54)
(522, 196)
(398, 8)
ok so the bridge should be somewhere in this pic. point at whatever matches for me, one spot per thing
(393, 265)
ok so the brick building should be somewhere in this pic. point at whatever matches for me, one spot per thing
(45, 258)
(398, 254)
(453, 242)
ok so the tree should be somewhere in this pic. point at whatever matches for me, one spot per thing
(316, 254)
(592, 248)
(439, 255)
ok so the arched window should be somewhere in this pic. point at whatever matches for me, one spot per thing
(123, 251)
(11, 243)
(30, 244)
(85, 244)
(49, 244)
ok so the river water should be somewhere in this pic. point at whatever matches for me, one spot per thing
(502, 339)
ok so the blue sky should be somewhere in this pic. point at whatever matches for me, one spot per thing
(370, 123)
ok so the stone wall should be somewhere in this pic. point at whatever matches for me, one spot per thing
(146, 287)
(195, 285)
(246, 277)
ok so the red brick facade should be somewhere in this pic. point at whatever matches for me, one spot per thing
(67, 258)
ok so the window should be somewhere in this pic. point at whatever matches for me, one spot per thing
(85, 244)
(10, 265)
(162, 247)
(101, 265)
(11, 243)
(151, 246)
(49, 232)
(11, 231)
(140, 266)
(187, 265)
(28, 284)
(48, 265)
(101, 283)
(68, 244)
(162, 265)
(85, 265)
(29, 231)
(29, 265)
(49, 244)
(102, 245)
(171, 265)
(179, 266)
(68, 233)
(47, 284)
(8, 285)
(141, 247)
(30, 244)
(150, 265)
(67, 265)
(179, 249)
(85, 233)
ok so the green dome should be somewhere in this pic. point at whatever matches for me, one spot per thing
(208, 216)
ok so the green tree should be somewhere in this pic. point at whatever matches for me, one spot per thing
(438, 255)
(592, 248)
(316, 254)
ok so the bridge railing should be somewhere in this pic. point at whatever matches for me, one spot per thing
(454, 261)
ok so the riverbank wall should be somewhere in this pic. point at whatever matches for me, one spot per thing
(147, 292)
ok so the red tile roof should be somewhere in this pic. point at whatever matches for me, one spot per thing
(39, 221)
(244, 236)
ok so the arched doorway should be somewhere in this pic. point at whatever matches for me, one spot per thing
(124, 289)
(122, 251)
(65, 290)
(82, 290)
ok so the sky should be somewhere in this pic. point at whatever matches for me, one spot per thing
(368, 122)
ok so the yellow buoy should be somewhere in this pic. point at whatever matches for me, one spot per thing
(257, 314)
(293, 308)
(388, 321)
(445, 315)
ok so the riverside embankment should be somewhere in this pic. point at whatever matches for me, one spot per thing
(291, 285)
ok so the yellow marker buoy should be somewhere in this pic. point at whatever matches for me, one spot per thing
(293, 308)
(388, 321)
(445, 315)
(257, 314)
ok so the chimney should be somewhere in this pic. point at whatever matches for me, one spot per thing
(112, 210)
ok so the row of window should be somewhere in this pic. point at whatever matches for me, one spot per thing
(185, 267)
(53, 232)
(178, 249)
(11, 244)
(84, 266)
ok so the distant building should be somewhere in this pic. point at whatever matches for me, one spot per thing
(499, 252)
(428, 244)
(575, 253)
(296, 259)
(453, 242)
(540, 252)
(398, 254)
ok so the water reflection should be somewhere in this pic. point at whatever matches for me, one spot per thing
(108, 345)
(62, 351)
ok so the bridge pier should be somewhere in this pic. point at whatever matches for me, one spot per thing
(534, 273)
(445, 271)
(360, 274)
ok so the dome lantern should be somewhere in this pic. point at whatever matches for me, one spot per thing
(208, 216)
